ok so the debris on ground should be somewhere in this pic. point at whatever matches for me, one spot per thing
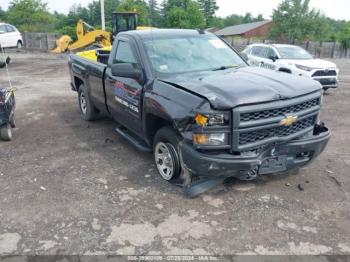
(337, 182)
(43, 188)
(300, 187)
(109, 141)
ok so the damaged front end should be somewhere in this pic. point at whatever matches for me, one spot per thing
(252, 140)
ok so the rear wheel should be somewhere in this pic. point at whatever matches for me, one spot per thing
(13, 121)
(166, 154)
(6, 132)
(19, 44)
(87, 110)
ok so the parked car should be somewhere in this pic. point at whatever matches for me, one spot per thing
(189, 98)
(10, 36)
(293, 59)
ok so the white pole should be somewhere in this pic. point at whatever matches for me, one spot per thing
(103, 14)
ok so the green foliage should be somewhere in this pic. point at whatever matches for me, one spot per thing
(3, 15)
(217, 22)
(136, 5)
(344, 36)
(294, 21)
(320, 28)
(155, 16)
(68, 30)
(30, 15)
(183, 14)
(239, 19)
(208, 8)
(94, 9)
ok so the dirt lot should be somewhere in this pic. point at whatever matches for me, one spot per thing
(72, 187)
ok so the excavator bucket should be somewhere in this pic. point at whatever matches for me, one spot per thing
(62, 44)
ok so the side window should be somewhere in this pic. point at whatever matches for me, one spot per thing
(125, 54)
(3, 29)
(264, 52)
(10, 28)
(257, 51)
(271, 52)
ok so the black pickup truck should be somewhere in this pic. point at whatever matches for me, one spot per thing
(191, 99)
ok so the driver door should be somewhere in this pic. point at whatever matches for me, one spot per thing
(124, 94)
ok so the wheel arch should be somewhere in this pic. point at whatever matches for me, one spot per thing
(78, 82)
(154, 123)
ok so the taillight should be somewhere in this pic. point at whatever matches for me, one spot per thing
(2, 99)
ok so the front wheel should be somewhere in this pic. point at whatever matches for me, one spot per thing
(6, 132)
(165, 152)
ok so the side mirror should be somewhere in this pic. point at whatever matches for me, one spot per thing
(126, 70)
(273, 58)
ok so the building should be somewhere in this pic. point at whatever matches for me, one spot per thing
(250, 30)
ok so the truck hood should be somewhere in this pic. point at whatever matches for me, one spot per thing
(248, 85)
(313, 63)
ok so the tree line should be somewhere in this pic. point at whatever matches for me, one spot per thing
(293, 20)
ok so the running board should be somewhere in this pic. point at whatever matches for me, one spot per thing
(133, 140)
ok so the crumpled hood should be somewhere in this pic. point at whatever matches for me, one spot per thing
(313, 63)
(248, 85)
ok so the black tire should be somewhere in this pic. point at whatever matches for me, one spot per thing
(87, 109)
(166, 138)
(6, 132)
(19, 44)
(13, 121)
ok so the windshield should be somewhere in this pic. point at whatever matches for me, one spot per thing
(293, 52)
(190, 54)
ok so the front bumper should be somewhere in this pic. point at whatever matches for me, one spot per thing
(293, 154)
(327, 82)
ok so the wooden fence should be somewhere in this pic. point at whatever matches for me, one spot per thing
(39, 41)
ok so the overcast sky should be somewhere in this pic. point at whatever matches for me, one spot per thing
(338, 9)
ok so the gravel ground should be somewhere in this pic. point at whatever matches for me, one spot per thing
(72, 187)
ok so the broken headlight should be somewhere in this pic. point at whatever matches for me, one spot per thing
(212, 119)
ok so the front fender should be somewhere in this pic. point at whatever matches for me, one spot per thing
(172, 104)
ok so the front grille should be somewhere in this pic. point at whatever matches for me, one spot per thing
(280, 131)
(259, 125)
(265, 114)
(325, 73)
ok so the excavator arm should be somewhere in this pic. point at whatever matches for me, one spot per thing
(86, 37)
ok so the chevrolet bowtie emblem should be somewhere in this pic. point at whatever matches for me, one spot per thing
(288, 121)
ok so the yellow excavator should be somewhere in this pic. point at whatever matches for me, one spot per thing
(86, 35)
(100, 39)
